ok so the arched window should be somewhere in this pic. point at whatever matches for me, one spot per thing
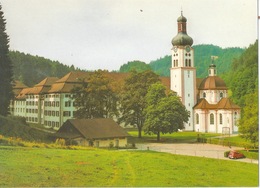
(204, 95)
(221, 95)
(197, 119)
(177, 63)
(186, 62)
(220, 119)
(189, 62)
(211, 119)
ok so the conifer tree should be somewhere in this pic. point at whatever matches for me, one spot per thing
(6, 73)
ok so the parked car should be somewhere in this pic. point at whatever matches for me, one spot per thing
(235, 155)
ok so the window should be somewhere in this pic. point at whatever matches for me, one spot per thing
(197, 119)
(57, 113)
(57, 103)
(66, 113)
(57, 124)
(211, 119)
(67, 104)
(53, 113)
(220, 119)
(186, 62)
(221, 95)
(189, 62)
(204, 95)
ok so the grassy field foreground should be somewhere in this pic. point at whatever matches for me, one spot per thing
(26, 167)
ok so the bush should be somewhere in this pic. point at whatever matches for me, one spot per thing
(226, 153)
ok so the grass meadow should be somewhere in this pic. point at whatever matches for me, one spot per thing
(43, 167)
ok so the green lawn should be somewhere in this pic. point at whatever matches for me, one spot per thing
(170, 138)
(40, 167)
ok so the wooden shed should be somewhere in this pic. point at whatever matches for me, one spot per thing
(103, 132)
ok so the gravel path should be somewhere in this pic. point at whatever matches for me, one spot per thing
(195, 149)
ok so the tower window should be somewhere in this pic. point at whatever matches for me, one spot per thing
(204, 95)
(186, 62)
(189, 63)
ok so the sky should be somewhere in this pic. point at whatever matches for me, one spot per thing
(105, 34)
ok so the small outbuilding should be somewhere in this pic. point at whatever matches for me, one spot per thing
(103, 132)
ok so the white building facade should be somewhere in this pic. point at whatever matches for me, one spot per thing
(206, 100)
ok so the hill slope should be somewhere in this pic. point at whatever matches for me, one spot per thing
(32, 69)
(14, 127)
(202, 59)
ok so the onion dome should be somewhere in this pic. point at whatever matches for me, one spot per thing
(182, 19)
(182, 38)
(213, 83)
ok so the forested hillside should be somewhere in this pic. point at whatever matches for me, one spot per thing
(243, 77)
(32, 69)
(243, 81)
(203, 55)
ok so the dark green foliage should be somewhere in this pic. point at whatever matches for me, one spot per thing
(249, 123)
(132, 99)
(95, 97)
(202, 60)
(243, 81)
(6, 73)
(32, 69)
(139, 66)
(162, 66)
(164, 114)
(244, 75)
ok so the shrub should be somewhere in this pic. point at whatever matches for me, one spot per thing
(226, 153)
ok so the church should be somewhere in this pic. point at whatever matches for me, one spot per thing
(206, 99)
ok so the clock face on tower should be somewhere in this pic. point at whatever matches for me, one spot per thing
(187, 48)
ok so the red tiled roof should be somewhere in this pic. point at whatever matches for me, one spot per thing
(224, 103)
(43, 86)
(22, 94)
(17, 87)
(212, 83)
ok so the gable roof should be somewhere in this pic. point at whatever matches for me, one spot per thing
(224, 103)
(93, 129)
(43, 86)
(18, 87)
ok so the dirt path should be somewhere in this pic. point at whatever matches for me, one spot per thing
(195, 149)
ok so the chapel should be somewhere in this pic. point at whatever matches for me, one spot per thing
(206, 99)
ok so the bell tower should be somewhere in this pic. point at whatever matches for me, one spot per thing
(183, 72)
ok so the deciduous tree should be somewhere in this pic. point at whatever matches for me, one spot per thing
(164, 114)
(249, 124)
(95, 97)
(132, 100)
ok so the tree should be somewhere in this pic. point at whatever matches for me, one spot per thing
(248, 124)
(6, 73)
(164, 114)
(139, 66)
(95, 98)
(132, 98)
